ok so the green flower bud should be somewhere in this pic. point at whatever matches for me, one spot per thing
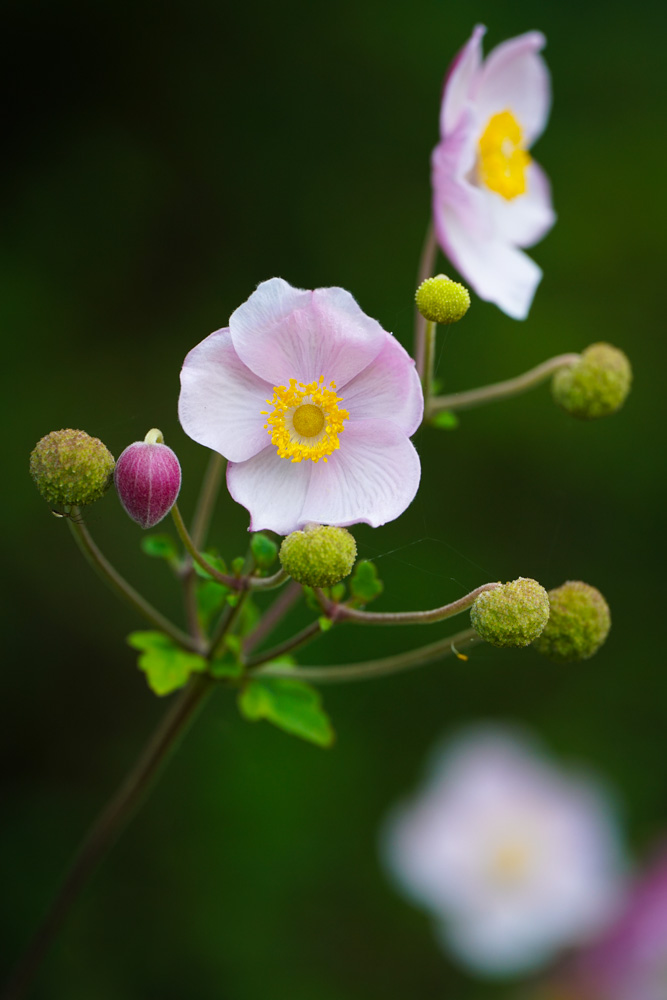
(513, 614)
(318, 556)
(71, 468)
(442, 300)
(596, 385)
(264, 550)
(578, 625)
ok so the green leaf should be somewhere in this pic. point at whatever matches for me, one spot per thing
(226, 666)
(216, 561)
(446, 420)
(161, 547)
(264, 550)
(211, 598)
(290, 705)
(167, 667)
(324, 623)
(365, 585)
(338, 592)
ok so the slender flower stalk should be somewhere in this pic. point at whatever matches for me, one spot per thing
(207, 497)
(273, 616)
(426, 268)
(122, 587)
(429, 361)
(502, 390)
(306, 634)
(370, 669)
(109, 825)
(233, 582)
(341, 612)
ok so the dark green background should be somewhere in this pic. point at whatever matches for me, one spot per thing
(161, 160)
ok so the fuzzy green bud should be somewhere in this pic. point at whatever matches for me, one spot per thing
(513, 614)
(442, 300)
(318, 556)
(595, 386)
(71, 468)
(578, 624)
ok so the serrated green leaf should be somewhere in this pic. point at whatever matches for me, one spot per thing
(166, 666)
(365, 585)
(290, 705)
(264, 550)
(446, 420)
(216, 561)
(160, 547)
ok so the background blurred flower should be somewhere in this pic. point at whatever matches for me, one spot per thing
(313, 403)
(629, 961)
(489, 195)
(514, 858)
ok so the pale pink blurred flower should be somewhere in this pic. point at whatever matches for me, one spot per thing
(313, 403)
(514, 858)
(489, 196)
(629, 960)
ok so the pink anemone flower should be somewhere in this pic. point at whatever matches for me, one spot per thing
(489, 196)
(313, 403)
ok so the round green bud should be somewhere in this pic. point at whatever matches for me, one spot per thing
(71, 468)
(578, 624)
(442, 300)
(595, 386)
(318, 556)
(513, 614)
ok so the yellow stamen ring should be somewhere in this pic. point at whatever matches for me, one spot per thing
(306, 420)
(502, 159)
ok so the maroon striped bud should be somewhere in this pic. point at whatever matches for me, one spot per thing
(148, 479)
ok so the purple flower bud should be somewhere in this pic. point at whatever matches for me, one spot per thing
(148, 478)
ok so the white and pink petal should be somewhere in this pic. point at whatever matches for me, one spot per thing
(387, 389)
(282, 333)
(460, 81)
(515, 78)
(221, 401)
(272, 489)
(371, 479)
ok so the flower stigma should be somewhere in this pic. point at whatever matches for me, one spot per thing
(306, 420)
(502, 159)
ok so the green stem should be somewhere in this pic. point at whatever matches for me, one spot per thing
(501, 390)
(108, 826)
(268, 582)
(342, 613)
(233, 582)
(207, 498)
(288, 646)
(273, 615)
(117, 583)
(429, 361)
(370, 669)
(426, 266)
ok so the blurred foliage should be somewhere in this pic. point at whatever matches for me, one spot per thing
(161, 161)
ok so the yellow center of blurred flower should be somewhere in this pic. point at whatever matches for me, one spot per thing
(502, 159)
(510, 861)
(306, 420)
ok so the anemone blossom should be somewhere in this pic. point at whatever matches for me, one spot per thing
(490, 198)
(312, 403)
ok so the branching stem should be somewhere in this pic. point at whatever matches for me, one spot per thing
(501, 390)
